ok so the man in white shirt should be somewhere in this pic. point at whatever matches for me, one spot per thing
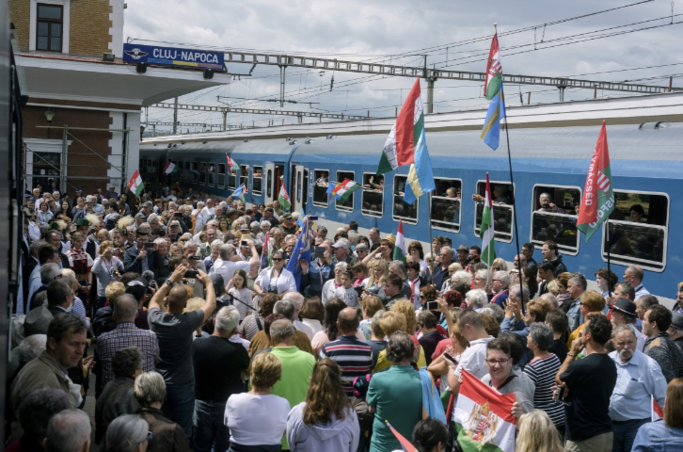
(204, 216)
(634, 275)
(298, 301)
(228, 262)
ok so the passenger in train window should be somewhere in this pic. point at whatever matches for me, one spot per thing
(547, 205)
(500, 196)
(453, 193)
(636, 213)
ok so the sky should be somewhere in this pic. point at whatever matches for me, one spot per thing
(536, 38)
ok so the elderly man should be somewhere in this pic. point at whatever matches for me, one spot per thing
(298, 301)
(229, 262)
(634, 275)
(441, 273)
(501, 293)
(203, 216)
(624, 313)
(218, 366)
(638, 378)
(341, 252)
(68, 431)
(515, 321)
(576, 286)
(297, 366)
(47, 273)
(34, 414)
(126, 335)
(659, 345)
(139, 258)
(65, 345)
(551, 253)
(174, 330)
(60, 297)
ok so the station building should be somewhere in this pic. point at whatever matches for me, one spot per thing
(81, 120)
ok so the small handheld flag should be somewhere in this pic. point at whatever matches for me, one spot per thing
(657, 412)
(283, 197)
(170, 167)
(400, 247)
(135, 184)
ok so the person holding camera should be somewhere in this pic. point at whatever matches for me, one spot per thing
(276, 279)
(547, 205)
(143, 254)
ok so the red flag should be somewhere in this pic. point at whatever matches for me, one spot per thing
(657, 411)
(405, 444)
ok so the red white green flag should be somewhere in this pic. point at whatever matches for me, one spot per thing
(399, 149)
(283, 198)
(344, 190)
(170, 167)
(135, 184)
(656, 410)
(483, 417)
(487, 234)
(232, 165)
(598, 197)
(400, 248)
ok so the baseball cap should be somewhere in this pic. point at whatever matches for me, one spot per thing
(341, 244)
(677, 321)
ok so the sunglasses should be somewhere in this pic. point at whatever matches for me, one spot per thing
(277, 259)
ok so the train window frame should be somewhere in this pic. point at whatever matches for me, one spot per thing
(437, 226)
(244, 179)
(203, 172)
(343, 208)
(394, 195)
(315, 185)
(253, 172)
(496, 235)
(644, 264)
(235, 177)
(221, 175)
(210, 174)
(369, 212)
(538, 244)
(194, 170)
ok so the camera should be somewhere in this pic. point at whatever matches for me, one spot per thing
(244, 243)
(195, 258)
(432, 306)
(546, 206)
(359, 290)
(149, 244)
(191, 273)
(272, 291)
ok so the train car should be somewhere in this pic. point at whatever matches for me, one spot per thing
(646, 165)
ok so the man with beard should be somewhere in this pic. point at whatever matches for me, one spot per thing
(638, 376)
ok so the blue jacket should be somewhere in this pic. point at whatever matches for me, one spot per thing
(657, 437)
(312, 282)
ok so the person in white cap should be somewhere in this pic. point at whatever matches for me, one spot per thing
(341, 252)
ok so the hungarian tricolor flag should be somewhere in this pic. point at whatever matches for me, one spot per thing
(170, 167)
(483, 418)
(283, 197)
(265, 253)
(400, 247)
(493, 90)
(344, 190)
(240, 192)
(488, 251)
(406, 445)
(407, 145)
(232, 165)
(657, 411)
(598, 198)
(135, 184)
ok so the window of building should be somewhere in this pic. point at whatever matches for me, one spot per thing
(554, 217)
(322, 181)
(257, 180)
(372, 198)
(638, 230)
(50, 27)
(446, 204)
(348, 204)
(211, 176)
(221, 175)
(503, 197)
(401, 209)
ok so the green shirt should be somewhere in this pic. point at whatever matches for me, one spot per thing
(297, 368)
(396, 395)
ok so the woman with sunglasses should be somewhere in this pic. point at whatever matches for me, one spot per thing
(276, 279)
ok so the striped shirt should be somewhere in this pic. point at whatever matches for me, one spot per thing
(542, 372)
(125, 335)
(353, 356)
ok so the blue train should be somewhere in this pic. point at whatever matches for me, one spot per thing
(646, 163)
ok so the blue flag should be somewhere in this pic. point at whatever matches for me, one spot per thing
(420, 177)
(491, 132)
(238, 193)
(302, 250)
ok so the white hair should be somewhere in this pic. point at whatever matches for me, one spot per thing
(227, 319)
(476, 297)
(296, 299)
(461, 277)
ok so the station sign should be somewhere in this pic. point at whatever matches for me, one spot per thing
(169, 56)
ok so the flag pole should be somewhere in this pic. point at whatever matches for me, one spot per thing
(609, 271)
(431, 240)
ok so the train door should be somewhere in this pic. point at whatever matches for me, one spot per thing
(270, 182)
(297, 194)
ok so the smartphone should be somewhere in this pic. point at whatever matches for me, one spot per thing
(450, 358)
(178, 214)
(244, 243)
(149, 244)
(559, 394)
(191, 273)
(319, 253)
(432, 306)
(195, 258)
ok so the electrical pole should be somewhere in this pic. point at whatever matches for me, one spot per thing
(175, 116)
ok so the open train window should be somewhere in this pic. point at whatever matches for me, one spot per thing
(221, 175)
(211, 176)
(322, 181)
(257, 180)
(372, 199)
(638, 230)
(503, 197)
(195, 175)
(553, 216)
(232, 179)
(446, 204)
(244, 176)
(348, 204)
(269, 183)
(402, 210)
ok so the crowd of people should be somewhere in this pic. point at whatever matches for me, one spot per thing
(202, 335)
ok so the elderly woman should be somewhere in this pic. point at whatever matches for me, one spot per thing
(128, 433)
(257, 419)
(78, 307)
(402, 412)
(325, 420)
(167, 436)
(118, 396)
(105, 269)
(333, 284)
(254, 322)
(276, 279)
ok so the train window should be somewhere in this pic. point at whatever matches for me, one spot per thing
(202, 173)
(446, 203)
(503, 197)
(195, 175)
(232, 179)
(372, 198)
(348, 204)
(257, 180)
(297, 188)
(269, 183)
(322, 181)
(402, 210)
(244, 176)
(221, 175)
(553, 216)
(638, 230)
(305, 188)
(211, 177)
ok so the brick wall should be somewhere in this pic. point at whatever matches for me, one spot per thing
(81, 161)
(19, 11)
(90, 24)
